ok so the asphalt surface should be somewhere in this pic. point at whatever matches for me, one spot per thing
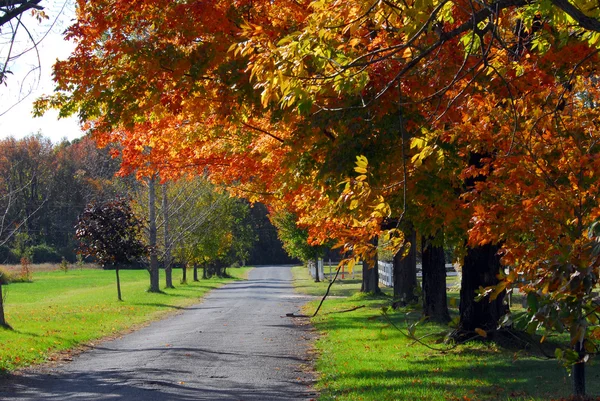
(233, 346)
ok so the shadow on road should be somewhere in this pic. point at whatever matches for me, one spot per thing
(146, 385)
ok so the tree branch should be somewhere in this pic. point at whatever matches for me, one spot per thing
(584, 21)
(15, 12)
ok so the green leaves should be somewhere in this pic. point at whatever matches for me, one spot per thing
(532, 302)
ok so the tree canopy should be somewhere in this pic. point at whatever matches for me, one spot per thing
(478, 119)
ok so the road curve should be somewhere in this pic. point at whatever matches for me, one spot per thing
(233, 346)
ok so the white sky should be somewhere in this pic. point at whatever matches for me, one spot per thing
(18, 121)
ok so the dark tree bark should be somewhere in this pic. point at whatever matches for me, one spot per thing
(184, 274)
(481, 265)
(405, 272)
(370, 275)
(435, 304)
(196, 271)
(118, 283)
(317, 279)
(154, 272)
(578, 372)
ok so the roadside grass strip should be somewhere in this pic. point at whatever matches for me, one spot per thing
(59, 311)
(361, 356)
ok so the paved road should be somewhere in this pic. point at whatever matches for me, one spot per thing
(232, 346)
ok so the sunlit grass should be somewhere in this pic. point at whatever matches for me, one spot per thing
(363, 357)
(59, 311)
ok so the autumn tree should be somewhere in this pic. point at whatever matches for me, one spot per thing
(445, 96)
(295, 239)
(110, 232)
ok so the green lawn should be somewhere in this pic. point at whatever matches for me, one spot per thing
(362, 357)
(59, 311)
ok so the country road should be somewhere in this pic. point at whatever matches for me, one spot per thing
(233, 346)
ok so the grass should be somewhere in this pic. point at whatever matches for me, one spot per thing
(59, 311)
(341, 288)
(362, 357)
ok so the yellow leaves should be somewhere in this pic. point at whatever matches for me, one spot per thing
(350, 265)
(426, 146)
(498, 289)
(594, 39)
(362, 161)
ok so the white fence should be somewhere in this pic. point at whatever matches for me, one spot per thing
(386, 272)
(312, 268)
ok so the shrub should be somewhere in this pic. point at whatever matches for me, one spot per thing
(44, 254)
(5, 276)
(64, 265)
(26, 275)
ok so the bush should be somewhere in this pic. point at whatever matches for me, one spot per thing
(44, 254)
(5, 276)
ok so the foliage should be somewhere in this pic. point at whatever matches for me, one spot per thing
(5, 276)
(294, 238)
(26, 273)
(480, 119)
(206, 223)
(44, 254)
(45, 186)
(110, 232)
(7, 256)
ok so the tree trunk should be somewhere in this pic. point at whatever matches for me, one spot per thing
(405, 272)
(317, 279)
(578, 372)
(480, 267)
(3, 322)
(370, 275)
(184, 274)
(196, 271)
(435, 304)
(154, 272)
(167, 259)
(118, 283)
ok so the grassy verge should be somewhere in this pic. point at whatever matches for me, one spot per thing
(59, 311)
(362, 357)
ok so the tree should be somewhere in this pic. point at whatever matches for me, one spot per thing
(295, 240)
(168, 241)
(418, 87)
(435, 303)
(152, 231)
(110, 232)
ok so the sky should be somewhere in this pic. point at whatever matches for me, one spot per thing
(15, 117)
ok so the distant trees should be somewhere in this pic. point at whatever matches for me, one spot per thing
(295, 239)
(208, 228)
(44, 187)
